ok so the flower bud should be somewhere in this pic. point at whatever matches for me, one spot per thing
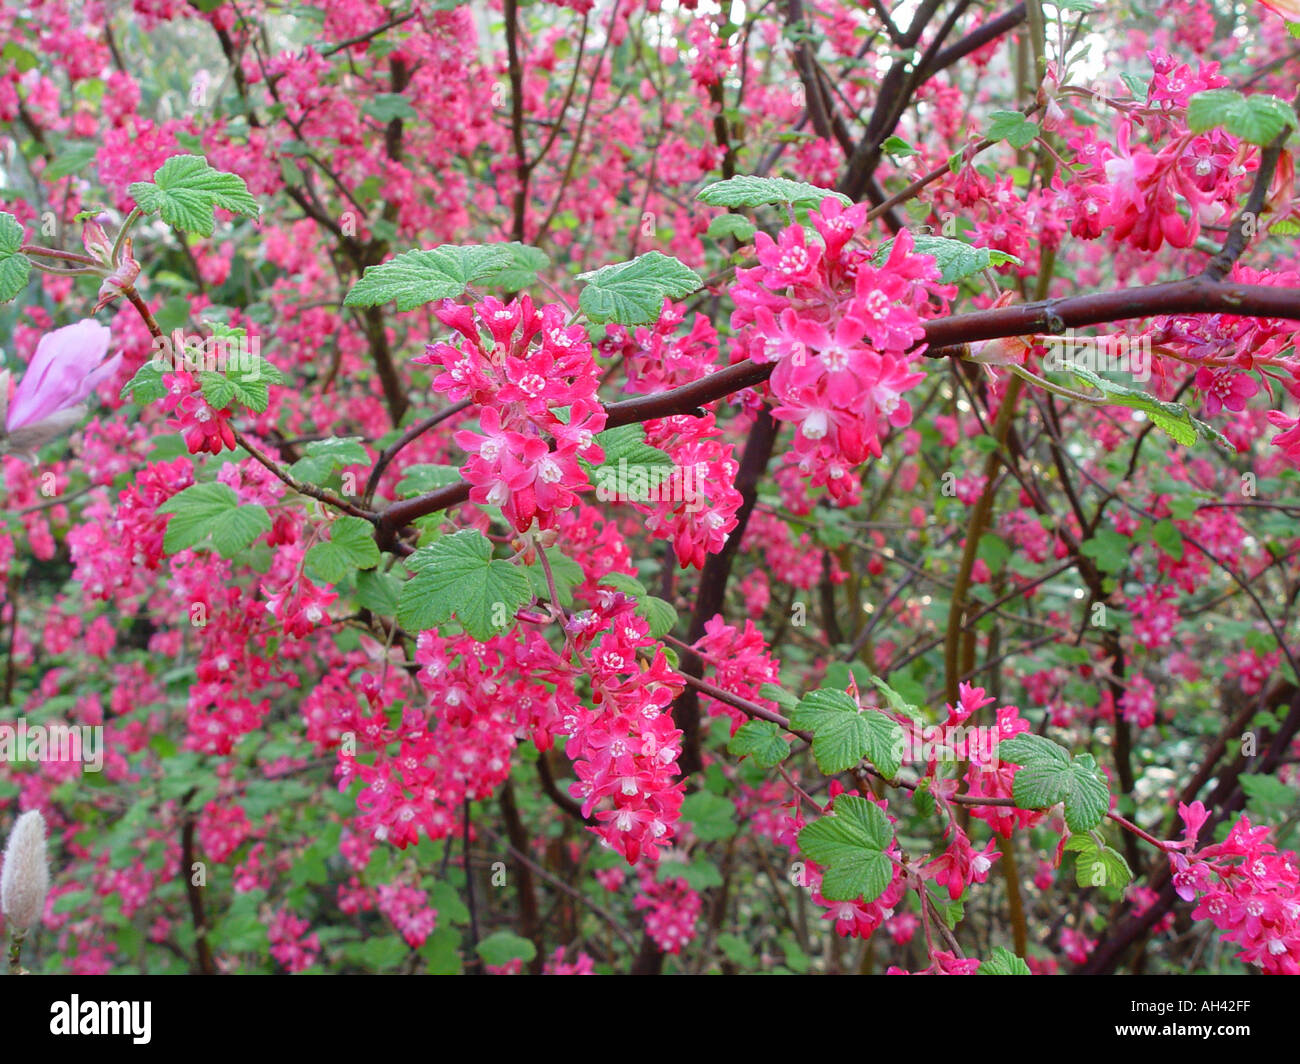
(96, 242)
(125, 271)
(25, 879)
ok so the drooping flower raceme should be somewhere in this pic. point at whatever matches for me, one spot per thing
(1249, 890)
(535, 378)
(843, 325)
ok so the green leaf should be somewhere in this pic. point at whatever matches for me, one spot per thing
(737, 227)
(700, 874)
(420, 479)
(1002, 962)
(1168, 538)
(897, 147)
(779, 695)
(627, 443)
(712, 817)
(633, 471)
(185, 191)
(735, 949)
(351, 546)
(1268, 799)
(441, 949)
(1257, 119)
(525, 263)
(1049, 775)
(629, 585)
(747, 191)
(993, 548)
(71, 161)
(1099, 866)
(213, 510)
(146, 386)
(241, 933)
(844, 733)
(1139, 88)
(660, 615)
(956, 259)
(503, 947)
(322, 457)
(850, 845)
(14, 266)
(1109, 549)
(221, 389)
(418, 277)
(458, 576)
(383, 953)
(762, 740)
(633, 292)
(897, 702)
(385, 106)
(18, 57)
(1011, 126)
(446, 899)
(566, 573)
(1171, 418)
(377, 592)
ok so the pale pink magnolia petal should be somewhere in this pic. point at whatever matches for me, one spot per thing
(1288, 9)
(67, 366)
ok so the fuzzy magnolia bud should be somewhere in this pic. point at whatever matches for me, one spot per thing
(26, 876)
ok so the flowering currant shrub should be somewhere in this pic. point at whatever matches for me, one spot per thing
(614, 487)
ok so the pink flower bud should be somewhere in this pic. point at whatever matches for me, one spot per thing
(96, 241)
(26, 877)
(125, 271)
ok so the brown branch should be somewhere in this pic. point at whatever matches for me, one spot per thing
(413, 433)
(529, 922)
(945, 338)
(203, 950)
(1247, 221)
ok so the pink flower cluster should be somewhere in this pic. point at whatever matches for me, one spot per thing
(408, 910)
(1247, 889)
(738, 662)
(625, 749)
(656, 358)
(204, 427)
(671, 910)
(858, 918)
(524, 458)
(698, 518)
(291, 944)
(481, 695)
(844, 331)
(987, 775)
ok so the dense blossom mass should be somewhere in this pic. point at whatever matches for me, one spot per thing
(591, 487)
